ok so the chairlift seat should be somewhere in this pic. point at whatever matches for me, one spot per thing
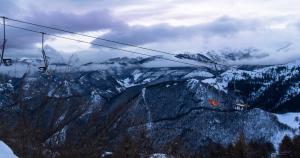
(7, 62)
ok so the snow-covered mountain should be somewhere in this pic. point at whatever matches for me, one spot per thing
(72, 104)
(224, 56)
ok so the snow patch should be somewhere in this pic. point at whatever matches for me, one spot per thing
(136, 75)
(61, 118)
(126, 83)
(220, 86)
(198, 74)
(158, 155)
(107, 153)
(290, 119)
(277, 138)
(5, 151)
(149, 115)
(192, 83)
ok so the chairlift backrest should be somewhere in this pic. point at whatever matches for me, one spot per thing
(7, 62)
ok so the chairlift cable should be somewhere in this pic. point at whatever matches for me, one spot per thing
(99, 38)
(85, 35)
(100, 45)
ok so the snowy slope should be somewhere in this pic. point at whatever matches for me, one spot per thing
(290, 119)
(5, 151)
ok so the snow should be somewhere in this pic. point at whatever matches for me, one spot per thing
(220, 86)
(5, 151)
(147, 80)
(107, 153)
(95, 97)
(126, 83)
(51, 93)
(60, 136)
(149, 115)
(289, 119)
(192, 83)
(158, 155)
(198, 74)
(289, 71)
(293, 91)
(61, 118)
(136, 75)
(16, 70)
(277, 138)
(294, 63)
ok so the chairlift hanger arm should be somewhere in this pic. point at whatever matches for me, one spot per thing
(4, 42)
(45, 67)
(7, 62)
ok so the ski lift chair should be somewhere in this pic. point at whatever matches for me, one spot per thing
(45, 58)
(6, 62)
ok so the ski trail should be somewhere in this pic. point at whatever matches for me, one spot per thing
(149, 117)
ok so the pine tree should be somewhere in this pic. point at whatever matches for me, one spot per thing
(240, 148)
(286, 148)
(128, 148)
(174, 147)
(145, 143)
(260, 149)
(215, 150)
(296, 147)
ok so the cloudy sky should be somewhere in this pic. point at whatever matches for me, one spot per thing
(176, 26)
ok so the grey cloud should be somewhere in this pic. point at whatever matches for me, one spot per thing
(91, 21)
(21, 39)
(7, 7)
(143, 35)
(140, 35)
(227, 26)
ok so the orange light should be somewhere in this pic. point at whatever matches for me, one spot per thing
(213, 102)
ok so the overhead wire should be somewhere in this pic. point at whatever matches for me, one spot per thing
(85, 35)
(98, 45)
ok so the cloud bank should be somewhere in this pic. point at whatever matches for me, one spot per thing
(140, 35)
